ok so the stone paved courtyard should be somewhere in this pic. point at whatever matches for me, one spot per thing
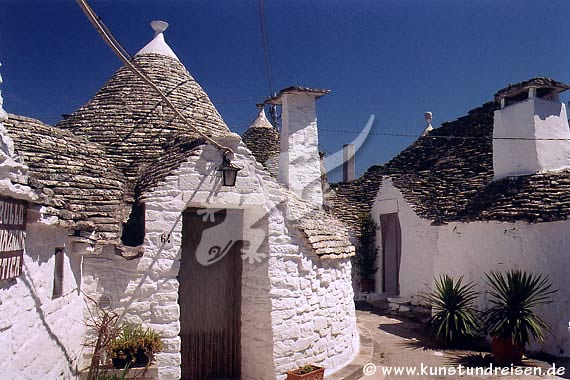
(398, 341)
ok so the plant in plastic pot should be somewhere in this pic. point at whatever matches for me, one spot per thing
(454, 317)
(512, 320)
(134, 347)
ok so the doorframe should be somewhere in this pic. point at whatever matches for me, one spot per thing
(239, 282)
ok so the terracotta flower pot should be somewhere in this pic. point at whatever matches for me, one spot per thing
(367, 285)
(317, 374)
(505, 352)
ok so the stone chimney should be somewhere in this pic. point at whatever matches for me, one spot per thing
(348, 164)
(530, 132)
(299, 162)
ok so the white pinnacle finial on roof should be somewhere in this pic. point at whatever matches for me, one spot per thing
(159, 26)
(261, 121)
(158, 45)
(429, 117)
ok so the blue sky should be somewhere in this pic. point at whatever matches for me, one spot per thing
(394, 59)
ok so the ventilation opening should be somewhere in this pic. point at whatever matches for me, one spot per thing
(58, 274)
(133, 230)
(105, 302)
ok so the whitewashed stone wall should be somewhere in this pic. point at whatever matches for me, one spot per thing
(296, 308)
(313, 311)
(472, 249)
(42, 337)
(299, 162)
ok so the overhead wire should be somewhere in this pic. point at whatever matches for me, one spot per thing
(448, 137)
(117, 48)
(265, 45)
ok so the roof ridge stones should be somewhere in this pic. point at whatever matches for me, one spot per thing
(514, 90)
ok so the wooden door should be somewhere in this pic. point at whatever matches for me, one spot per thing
(210, 296)
(391, 253)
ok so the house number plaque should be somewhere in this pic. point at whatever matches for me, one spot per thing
(12, 237)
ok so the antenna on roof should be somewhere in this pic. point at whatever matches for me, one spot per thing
(429, 117)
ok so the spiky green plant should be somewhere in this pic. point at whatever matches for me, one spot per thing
(514, 297)
(454, 318)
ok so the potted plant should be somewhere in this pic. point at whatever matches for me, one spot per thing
(366, 253)
(307, 372)
(512, 320)
(134, 347)
(454, 317)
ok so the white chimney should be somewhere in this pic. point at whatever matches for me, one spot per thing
(530, 132)
(299, 162)
(348, 164)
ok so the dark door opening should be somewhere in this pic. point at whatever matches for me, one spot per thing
(210, 294)
(391, 253)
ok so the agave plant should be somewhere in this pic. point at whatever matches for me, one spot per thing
(514, 296)
(454, 318)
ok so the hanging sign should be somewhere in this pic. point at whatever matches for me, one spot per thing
(12, 237)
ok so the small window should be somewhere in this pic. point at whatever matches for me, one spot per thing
(134, 228)
(58, 273)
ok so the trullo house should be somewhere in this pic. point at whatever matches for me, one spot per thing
(123, 203)
(488, 191)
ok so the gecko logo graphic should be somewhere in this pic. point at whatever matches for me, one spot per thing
(223, 231)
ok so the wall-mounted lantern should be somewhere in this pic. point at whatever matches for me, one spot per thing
(229, 170)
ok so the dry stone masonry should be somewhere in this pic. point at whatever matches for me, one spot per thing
(123, 162)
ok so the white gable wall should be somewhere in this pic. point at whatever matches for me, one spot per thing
(418, 238)
(296, 308)
(472, 249)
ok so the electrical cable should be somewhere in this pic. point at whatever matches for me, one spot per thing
(448, 137)
(126, 58)
(265, 45)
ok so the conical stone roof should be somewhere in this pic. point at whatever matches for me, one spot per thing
(263, 141)
(129, 119)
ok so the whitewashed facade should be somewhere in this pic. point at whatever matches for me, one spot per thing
(296, 295)
(486, 192)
